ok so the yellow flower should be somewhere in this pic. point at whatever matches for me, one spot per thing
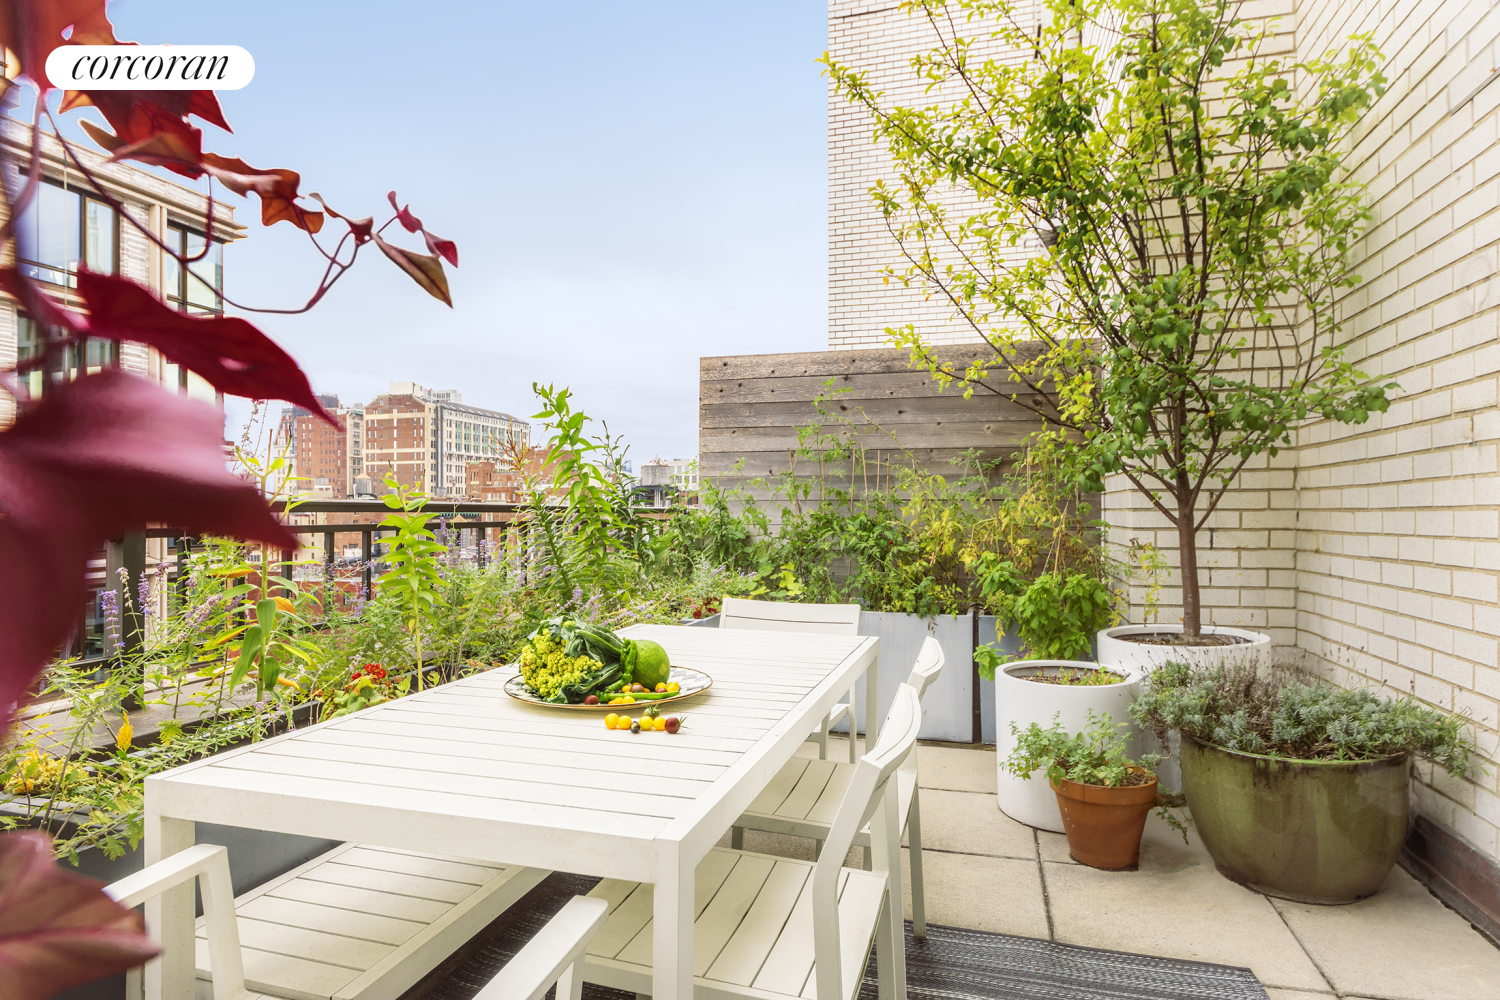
(37, 772)
(125, 735)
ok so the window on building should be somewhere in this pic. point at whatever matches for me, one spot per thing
(31, 344)
(198, 287)
(63, 229)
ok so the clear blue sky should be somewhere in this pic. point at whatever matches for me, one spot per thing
(631, 186)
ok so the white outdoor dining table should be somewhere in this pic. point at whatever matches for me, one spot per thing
(463, 769)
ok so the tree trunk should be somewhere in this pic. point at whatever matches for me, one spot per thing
(1187, 549)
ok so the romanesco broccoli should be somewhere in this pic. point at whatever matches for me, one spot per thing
(546, 667)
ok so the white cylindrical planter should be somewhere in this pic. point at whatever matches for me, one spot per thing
(1031, 800)
(1115, 649)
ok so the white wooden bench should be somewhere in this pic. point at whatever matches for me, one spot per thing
(364, 923)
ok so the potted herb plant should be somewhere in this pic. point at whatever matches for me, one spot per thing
(1299, 790)
(1102, 794)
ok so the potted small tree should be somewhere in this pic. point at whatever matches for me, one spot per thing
(1298, 790)
(1102, 794)
(1160, 245)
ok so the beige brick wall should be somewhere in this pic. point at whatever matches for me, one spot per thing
(1371, 554)
(1398, 542)
(876, 37)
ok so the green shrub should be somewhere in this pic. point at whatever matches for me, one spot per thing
(1267, 710)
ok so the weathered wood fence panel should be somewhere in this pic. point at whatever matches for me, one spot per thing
(752, 406)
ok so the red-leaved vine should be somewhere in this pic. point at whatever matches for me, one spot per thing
(103, 453)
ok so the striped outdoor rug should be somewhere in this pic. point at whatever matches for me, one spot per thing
(952, 964)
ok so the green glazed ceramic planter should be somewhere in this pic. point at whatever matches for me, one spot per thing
(1314, 831)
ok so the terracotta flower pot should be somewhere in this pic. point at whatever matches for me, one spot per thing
(1103, 824)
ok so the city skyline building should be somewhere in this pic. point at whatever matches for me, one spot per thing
(426, 437)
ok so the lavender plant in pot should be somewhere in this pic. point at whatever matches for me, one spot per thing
(1299, 790)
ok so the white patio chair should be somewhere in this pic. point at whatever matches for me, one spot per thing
(786, 616)
(551, 956)
(768, 927)
(208, 863)
(801, 799)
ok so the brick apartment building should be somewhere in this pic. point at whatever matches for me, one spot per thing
(319, 453)
(67, 227)
(498, 482)
(426, 437)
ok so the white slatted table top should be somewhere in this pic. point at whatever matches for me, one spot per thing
(464, 769)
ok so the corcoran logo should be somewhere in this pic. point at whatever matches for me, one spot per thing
(150, 67)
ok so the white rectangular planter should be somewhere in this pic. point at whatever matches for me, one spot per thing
(948, 706)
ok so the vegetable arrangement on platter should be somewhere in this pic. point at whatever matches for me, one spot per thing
(568, 662)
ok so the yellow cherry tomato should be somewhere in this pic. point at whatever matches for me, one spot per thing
(628, 700)
(610, 720)
(661, 724)
(661, 687)
(674, 687)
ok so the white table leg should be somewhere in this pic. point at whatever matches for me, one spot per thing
(672, 940)
(169, 916)
(872, 705)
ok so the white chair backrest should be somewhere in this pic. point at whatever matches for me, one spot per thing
(551, 956)
(870, 798)
(929, 664)
(209, 864)
(785, 616)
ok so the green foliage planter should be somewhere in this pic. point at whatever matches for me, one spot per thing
(1314, 831)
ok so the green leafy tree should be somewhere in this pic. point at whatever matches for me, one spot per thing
(1161, 239)
(415, 558)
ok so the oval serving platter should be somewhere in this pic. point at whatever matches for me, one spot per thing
(693, 682)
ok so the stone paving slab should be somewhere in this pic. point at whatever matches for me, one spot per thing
(1176, 905)
(1187, 911)
(1400, 943)
(959, 770)
(971, 823)
(986, 871)
(1001, 895)
(1054, 847)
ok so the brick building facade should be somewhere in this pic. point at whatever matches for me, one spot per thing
(170, 211)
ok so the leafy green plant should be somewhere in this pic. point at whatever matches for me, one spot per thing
(1095, 756)
(267, 648)
(1055, 616)
(1161, 240)
(414, 555)
(1266, 710)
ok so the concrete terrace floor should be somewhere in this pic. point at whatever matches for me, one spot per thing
(987, 872)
